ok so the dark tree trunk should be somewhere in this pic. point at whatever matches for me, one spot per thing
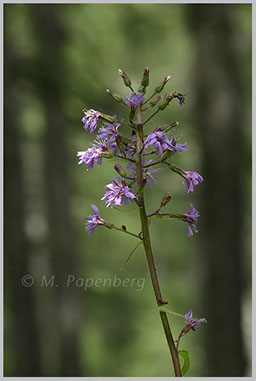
(64, 311)
(21, 340)
(220, 117)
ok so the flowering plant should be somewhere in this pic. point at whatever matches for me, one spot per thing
(134, 150)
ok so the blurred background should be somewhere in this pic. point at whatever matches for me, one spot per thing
(59, 59)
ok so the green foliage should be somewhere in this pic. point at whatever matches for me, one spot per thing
(185, 355)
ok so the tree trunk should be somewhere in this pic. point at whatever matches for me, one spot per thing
(21, 341)
(219, 115)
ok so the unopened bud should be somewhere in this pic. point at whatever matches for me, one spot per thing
(161, 85)
(108, 118)
(119, 142)
(165, 102)
(115, 96)
(125, 77)
(120, 170)
(167, 198)
(145, 78)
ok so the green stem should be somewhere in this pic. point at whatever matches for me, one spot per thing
(151, 116)
(149, 254)
(149, 99)
(124, 158)
(125, 231)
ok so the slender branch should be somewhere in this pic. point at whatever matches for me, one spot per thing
(155, 163)
(151, 116)
(149, 254)
(149, 99)
(125, 158)
(125, 231)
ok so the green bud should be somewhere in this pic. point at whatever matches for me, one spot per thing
(108, 118)
(115, 96)
(145, 78)
(125, 77)
(120, 170)
(167, 198)
(165, 102)
(120, 143)
(171, 125)
(161, 85)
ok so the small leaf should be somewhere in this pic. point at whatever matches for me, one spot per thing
(186, 365)
(127, 260)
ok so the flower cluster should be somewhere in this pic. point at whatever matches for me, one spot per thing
(111, 141)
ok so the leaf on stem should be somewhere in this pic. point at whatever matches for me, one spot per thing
(129, 257)
(186, 365)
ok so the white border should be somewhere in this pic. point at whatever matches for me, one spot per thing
(253, 190)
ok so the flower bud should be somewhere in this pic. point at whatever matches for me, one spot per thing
(119, 142)
(169, 126)
(167, 198)
(145, 78)
(125, 77)
(115, 96)
(108, 118)
(120, 170)
(165, 102)
(161, 85)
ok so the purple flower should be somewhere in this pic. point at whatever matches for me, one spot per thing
(181, 99)
(191, 179)
(191, 219)
(94, 220)
(134, 100)
(90, 157)
(159, 140)
(177, 146)
(148, 172)
(118, 193)
(90, 120)
(109, 131)
(192, 324)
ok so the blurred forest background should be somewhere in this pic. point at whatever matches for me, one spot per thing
(60, 58)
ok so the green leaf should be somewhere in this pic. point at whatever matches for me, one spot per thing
(186, 365)
(127, 260)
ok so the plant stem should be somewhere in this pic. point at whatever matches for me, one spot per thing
(149, 253)
(124, 158)
(125, 231)
(151, 116)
